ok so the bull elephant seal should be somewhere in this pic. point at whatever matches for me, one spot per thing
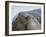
(21, 21)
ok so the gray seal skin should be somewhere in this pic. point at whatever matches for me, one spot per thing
(27, 21)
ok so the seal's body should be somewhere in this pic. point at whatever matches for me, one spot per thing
(25, 21)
